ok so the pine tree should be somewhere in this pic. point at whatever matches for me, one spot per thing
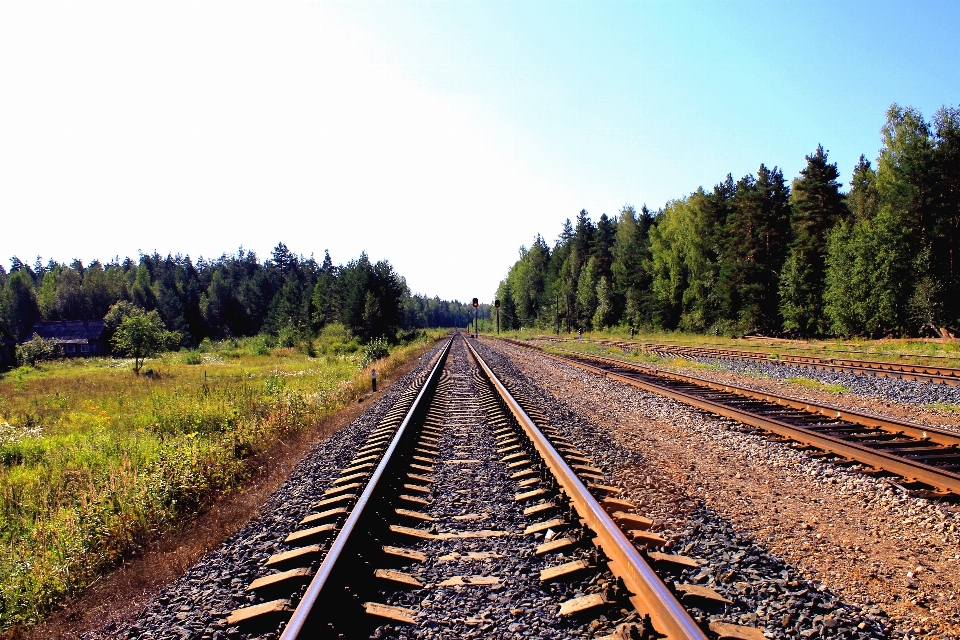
(755, 235)
(816, 205)
(602, 246)
(323, 300)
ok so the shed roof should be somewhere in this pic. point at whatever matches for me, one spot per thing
(69, 331)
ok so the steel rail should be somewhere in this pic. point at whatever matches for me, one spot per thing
(945, 481)
(905, 371)
(300, 615)
(651, 595)
(917, 373)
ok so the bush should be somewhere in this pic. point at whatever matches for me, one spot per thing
(375, 350)
(261, 345)
(35, 350)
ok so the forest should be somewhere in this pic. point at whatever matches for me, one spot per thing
(237, 295)
(761, 256)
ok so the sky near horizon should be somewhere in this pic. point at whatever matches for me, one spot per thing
(437, 135)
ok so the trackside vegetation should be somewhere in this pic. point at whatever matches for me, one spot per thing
(94, 461)
(760, 256)
(287, 296)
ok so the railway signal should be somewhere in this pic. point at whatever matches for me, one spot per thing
(476, 331)
(496, 303)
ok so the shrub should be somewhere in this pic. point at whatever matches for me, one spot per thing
(35, 350)
(375, 350)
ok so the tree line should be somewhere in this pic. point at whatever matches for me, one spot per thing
(236, 295)
(757, 255)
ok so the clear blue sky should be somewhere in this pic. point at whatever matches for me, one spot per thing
(438, 135)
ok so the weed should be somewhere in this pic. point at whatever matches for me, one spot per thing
(942, 406)
(810, 383)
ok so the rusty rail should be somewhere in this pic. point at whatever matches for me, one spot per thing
(946, 482)
(304, 608)
(905, 371)
(651, 595)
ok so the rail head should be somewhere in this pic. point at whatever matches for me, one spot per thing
(300, 615)
(936, 434)
(652, 596)
(942, 479)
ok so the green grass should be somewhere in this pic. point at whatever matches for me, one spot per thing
(951, 408)
(94, 460)
(810, 383)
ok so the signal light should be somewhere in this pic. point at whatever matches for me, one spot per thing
(496, 303)
(476, 302)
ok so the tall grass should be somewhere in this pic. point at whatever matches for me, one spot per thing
(94, 460)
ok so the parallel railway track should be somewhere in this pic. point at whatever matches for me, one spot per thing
(916, 372)
(926, 459)
(467, 513)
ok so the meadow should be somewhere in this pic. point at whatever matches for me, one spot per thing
(95, 461)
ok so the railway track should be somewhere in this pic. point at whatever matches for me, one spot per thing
(917, 373)
(467, 514)
(925, 460)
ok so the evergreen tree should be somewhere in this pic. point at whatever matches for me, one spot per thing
(603, 243)
(816, 205)
(69, 299)
(142, 292)
(221, 309)
(755, 236)
(18, 304)
(587, 293)
(322, 304)
(96, 290)
(508, 310)
(631, 278)
(945, 240)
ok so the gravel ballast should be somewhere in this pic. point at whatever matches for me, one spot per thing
(804, 548)
(473, 492)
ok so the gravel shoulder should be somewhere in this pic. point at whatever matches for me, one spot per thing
(877, 557)
(901, 399)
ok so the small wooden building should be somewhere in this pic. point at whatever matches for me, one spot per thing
(8, 348)
(80, 338)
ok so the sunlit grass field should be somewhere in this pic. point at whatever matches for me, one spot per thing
(95, 460)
